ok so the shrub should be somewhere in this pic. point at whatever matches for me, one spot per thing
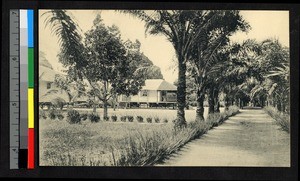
(232, 110)
(106, 118)
(214, 119)
(114, 118)
(52, 114)
(139, 119)
(60, 116)
(281, 119)
(166, 120)
(58, 103)
(149, 119)
(157, 119)
(123, 118)
(130, 118)
(73, 116)
(83, 116)
(94, 117)
(42, 114)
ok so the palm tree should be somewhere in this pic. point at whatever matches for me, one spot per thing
(70, 40)
(182, 28)
(207, 53)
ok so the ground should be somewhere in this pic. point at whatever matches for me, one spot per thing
(62, 143)
(250, 138)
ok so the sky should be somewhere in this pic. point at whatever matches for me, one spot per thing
(264, 25)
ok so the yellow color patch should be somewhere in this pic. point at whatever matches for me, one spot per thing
(30, 108)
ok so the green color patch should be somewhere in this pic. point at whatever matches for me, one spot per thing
(30, 68)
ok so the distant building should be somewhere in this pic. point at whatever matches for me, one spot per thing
(46, 85)
(155, 93)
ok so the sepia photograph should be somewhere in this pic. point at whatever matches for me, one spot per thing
(164, 88)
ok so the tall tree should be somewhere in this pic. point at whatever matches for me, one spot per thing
(205, 52)
(181, 28)
(110, 67)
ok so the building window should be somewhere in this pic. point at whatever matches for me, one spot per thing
(49, 85)
(144, 93)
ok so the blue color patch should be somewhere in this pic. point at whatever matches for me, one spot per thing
(30, 28)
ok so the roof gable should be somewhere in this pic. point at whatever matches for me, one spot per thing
(158, 84)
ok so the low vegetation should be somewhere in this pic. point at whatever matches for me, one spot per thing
(282, 119)
(117, 143)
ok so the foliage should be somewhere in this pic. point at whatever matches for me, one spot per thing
(209, 54)
(101, 59)
(149, 119)
(60, 116)
(42, 114)
(139, 119)
(83, 116)
(106, 118)
(157, 119)
(58, 103)
(130, 118)
(123, 118)
(95, 118)
(114, 118)
(67, 30)
(73, 117)
(52, 113)
(182, 28)
(282, 119)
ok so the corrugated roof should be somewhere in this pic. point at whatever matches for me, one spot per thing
(158, 84)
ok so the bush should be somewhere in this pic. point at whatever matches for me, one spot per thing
(106, 118)
(214, 119)
(166, 120)
(52, 114)
(157, 119)
(73, 117)
(83, 116)
(94, 117)
(58, 103)
(149, 119)
(60, 116)
(281, 119)
(232, 110)
(114, 118)
(42, 114)
(130, 118)
(139, 119)
(123, 118)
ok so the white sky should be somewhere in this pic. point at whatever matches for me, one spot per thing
(264, 24)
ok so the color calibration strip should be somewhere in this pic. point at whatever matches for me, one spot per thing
(21, 89)
(26, 89)
(30, 91)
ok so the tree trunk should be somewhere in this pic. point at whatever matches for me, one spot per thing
(181, 93)
(211, 101)
(226, 102)
(105, 99)
(94, 105)
(216, 100)
(279, 106)
(200, 106)
(105, 108)
(115, 102)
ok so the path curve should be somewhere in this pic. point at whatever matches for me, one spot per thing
(251, 138)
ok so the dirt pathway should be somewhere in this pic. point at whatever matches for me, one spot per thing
(250, 138)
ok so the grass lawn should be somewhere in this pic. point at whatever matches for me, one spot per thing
(114, 143)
